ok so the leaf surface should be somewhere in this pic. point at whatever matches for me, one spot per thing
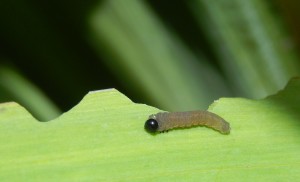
(103, 139)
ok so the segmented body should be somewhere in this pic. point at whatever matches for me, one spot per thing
(167, 121)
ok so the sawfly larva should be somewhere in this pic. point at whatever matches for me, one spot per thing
(165, 121)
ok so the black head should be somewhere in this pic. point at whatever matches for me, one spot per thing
(151, 125)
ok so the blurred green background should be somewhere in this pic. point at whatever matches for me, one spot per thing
(175, 55)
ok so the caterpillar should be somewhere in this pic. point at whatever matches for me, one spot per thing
(165, 121)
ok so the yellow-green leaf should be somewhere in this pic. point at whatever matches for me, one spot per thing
(103, 139)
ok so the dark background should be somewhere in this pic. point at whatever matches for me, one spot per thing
(49, 44)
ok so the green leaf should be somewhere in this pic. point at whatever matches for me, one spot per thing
(253, 46)
(19, 89)
(147, 57)
(102, 139)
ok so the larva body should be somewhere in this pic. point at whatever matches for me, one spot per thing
(165, 121)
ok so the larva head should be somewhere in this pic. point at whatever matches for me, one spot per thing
(151, 125)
